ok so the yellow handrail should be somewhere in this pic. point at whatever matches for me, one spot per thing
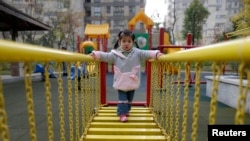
(16, 51)
(234, 50)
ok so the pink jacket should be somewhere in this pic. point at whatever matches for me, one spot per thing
(127, 69)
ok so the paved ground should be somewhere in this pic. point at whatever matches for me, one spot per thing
(15, 103)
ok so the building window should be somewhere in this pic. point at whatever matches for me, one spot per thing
(218, 1)
(97, 11)
(109, 22)
(118, 24)
(235, 11)
(96, 22)
(108, 9)
(229, 5)
(220, 16)
(118, 10)
(97, 1)
(132, 9)
(88, 12)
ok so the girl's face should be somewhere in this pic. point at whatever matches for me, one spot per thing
(126, 43)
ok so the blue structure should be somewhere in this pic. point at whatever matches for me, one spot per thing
(81, 68)
(40, 69)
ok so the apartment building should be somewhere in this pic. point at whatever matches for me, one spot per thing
(176, 8)
(218, 21)
(117, 13)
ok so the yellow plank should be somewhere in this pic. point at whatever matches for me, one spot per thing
(124, 138)
(133, 108)
(131, 115)
(124, 131)
(124, 125)
(130, 119)
(132, 111)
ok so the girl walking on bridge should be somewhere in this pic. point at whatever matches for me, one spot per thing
(127, 68)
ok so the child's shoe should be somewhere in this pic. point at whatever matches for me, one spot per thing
(127, 114)
(123, 118)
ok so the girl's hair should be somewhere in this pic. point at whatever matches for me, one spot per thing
(123, 33)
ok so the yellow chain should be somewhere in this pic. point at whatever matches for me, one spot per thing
(185, 105)
(162, 66)
(92, 86)
(198, 68)
(96, 99)
(4, 131)
(97, 86)
(151, 99)
(157, 92)
(77, 103)
(87, 100)
(70, 103)
(154, 95)
(48, 103)
(83, 104)
(172, 102)
(151, 102)
(29, 96)
(177, 108)
(242, 99)
(217, 69)
(61, 102)
(167, 97)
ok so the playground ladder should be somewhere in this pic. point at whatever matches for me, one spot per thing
(140, 126)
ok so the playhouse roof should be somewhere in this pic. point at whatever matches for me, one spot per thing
(141, 16)
(97, 30)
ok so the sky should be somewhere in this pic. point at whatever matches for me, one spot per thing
(155, 6)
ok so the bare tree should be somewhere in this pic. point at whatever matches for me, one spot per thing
(172, 38)
(69, 22)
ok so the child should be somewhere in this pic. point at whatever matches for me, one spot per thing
(126, 59)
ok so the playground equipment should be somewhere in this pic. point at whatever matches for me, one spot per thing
(81, 70)
(99, 33)
(242, 32)
(86, 47)
(141, 16)
(239, 33)
(84, 69)
(80, 115)
(167, 48)
(164, 39)
(40, 69)
(96, 37)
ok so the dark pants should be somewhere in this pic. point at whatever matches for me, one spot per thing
(124, 101)
(64, 68)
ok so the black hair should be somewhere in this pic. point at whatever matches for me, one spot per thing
(123, 33)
